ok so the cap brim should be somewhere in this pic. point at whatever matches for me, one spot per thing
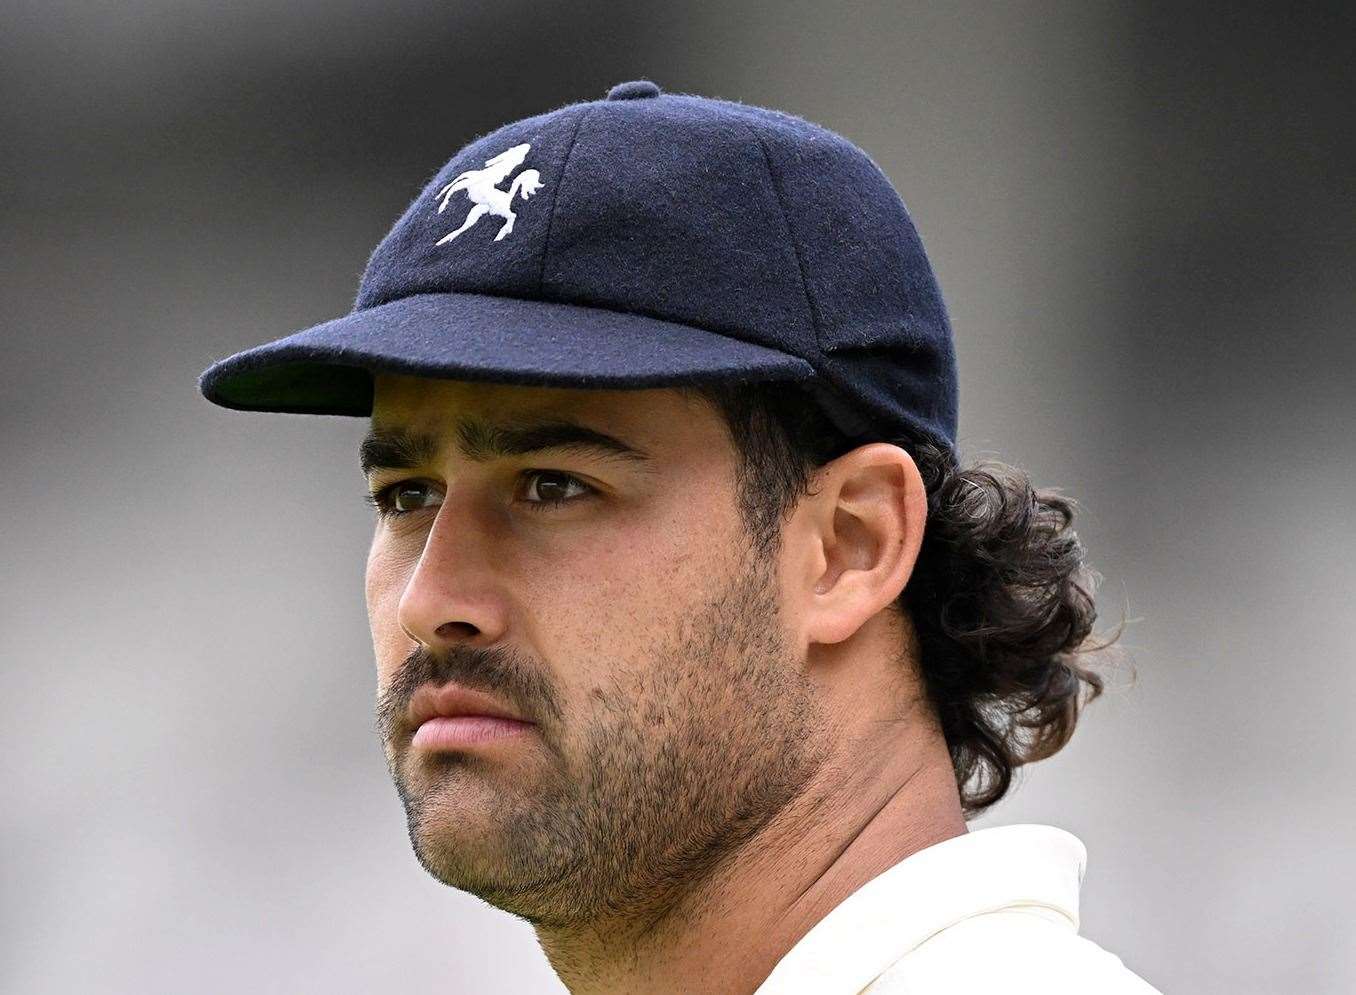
(327, 369)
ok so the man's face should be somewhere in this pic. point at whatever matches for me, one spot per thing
(630, 622)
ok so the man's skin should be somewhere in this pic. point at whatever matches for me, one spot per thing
(724, 749)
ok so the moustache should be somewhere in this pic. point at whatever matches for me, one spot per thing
(496, 671)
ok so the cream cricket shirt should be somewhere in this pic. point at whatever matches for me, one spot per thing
(991, 911)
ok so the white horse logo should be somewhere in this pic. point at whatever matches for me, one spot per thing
(481, 185)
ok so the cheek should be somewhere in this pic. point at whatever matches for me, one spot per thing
(619, 588)
(384, 584)
(391, 561)
(376, 579)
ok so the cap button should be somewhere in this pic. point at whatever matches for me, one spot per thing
(634, 90)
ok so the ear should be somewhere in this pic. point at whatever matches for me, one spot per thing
(861, 528)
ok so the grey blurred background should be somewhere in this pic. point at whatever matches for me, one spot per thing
(1142, 218)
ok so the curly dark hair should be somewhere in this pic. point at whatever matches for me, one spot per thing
(1000, 596)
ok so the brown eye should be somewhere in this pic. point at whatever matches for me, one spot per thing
(551, 488)
(400, 498)
(409, 497)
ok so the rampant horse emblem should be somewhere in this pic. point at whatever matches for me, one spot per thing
(482, 186)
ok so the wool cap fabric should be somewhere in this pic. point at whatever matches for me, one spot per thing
(646, 239)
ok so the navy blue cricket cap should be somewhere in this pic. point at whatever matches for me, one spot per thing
(642, 240)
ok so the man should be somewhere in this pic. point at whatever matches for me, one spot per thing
(689, 627)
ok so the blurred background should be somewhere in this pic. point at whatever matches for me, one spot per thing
(1141, 215)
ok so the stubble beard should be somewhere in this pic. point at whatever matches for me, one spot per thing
(686, 759)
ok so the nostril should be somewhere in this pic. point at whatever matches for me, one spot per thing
(457, 630)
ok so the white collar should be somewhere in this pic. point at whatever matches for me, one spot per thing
(979, 871)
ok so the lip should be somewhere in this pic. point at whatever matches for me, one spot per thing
(442, 733)
(451, 701)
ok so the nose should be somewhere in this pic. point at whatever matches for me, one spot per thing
(454, 595)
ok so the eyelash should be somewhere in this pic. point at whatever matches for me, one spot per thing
(383, 501)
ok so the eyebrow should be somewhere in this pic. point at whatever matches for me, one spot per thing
(482, 441)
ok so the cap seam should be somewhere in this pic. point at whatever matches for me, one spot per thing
(555, 196)
(544, 297)
(791, 236)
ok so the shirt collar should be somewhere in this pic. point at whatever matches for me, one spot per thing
(979, 871)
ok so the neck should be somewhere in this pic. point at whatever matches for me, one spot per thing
(866, 810)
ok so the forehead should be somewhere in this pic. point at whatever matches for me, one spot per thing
(434, 406)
